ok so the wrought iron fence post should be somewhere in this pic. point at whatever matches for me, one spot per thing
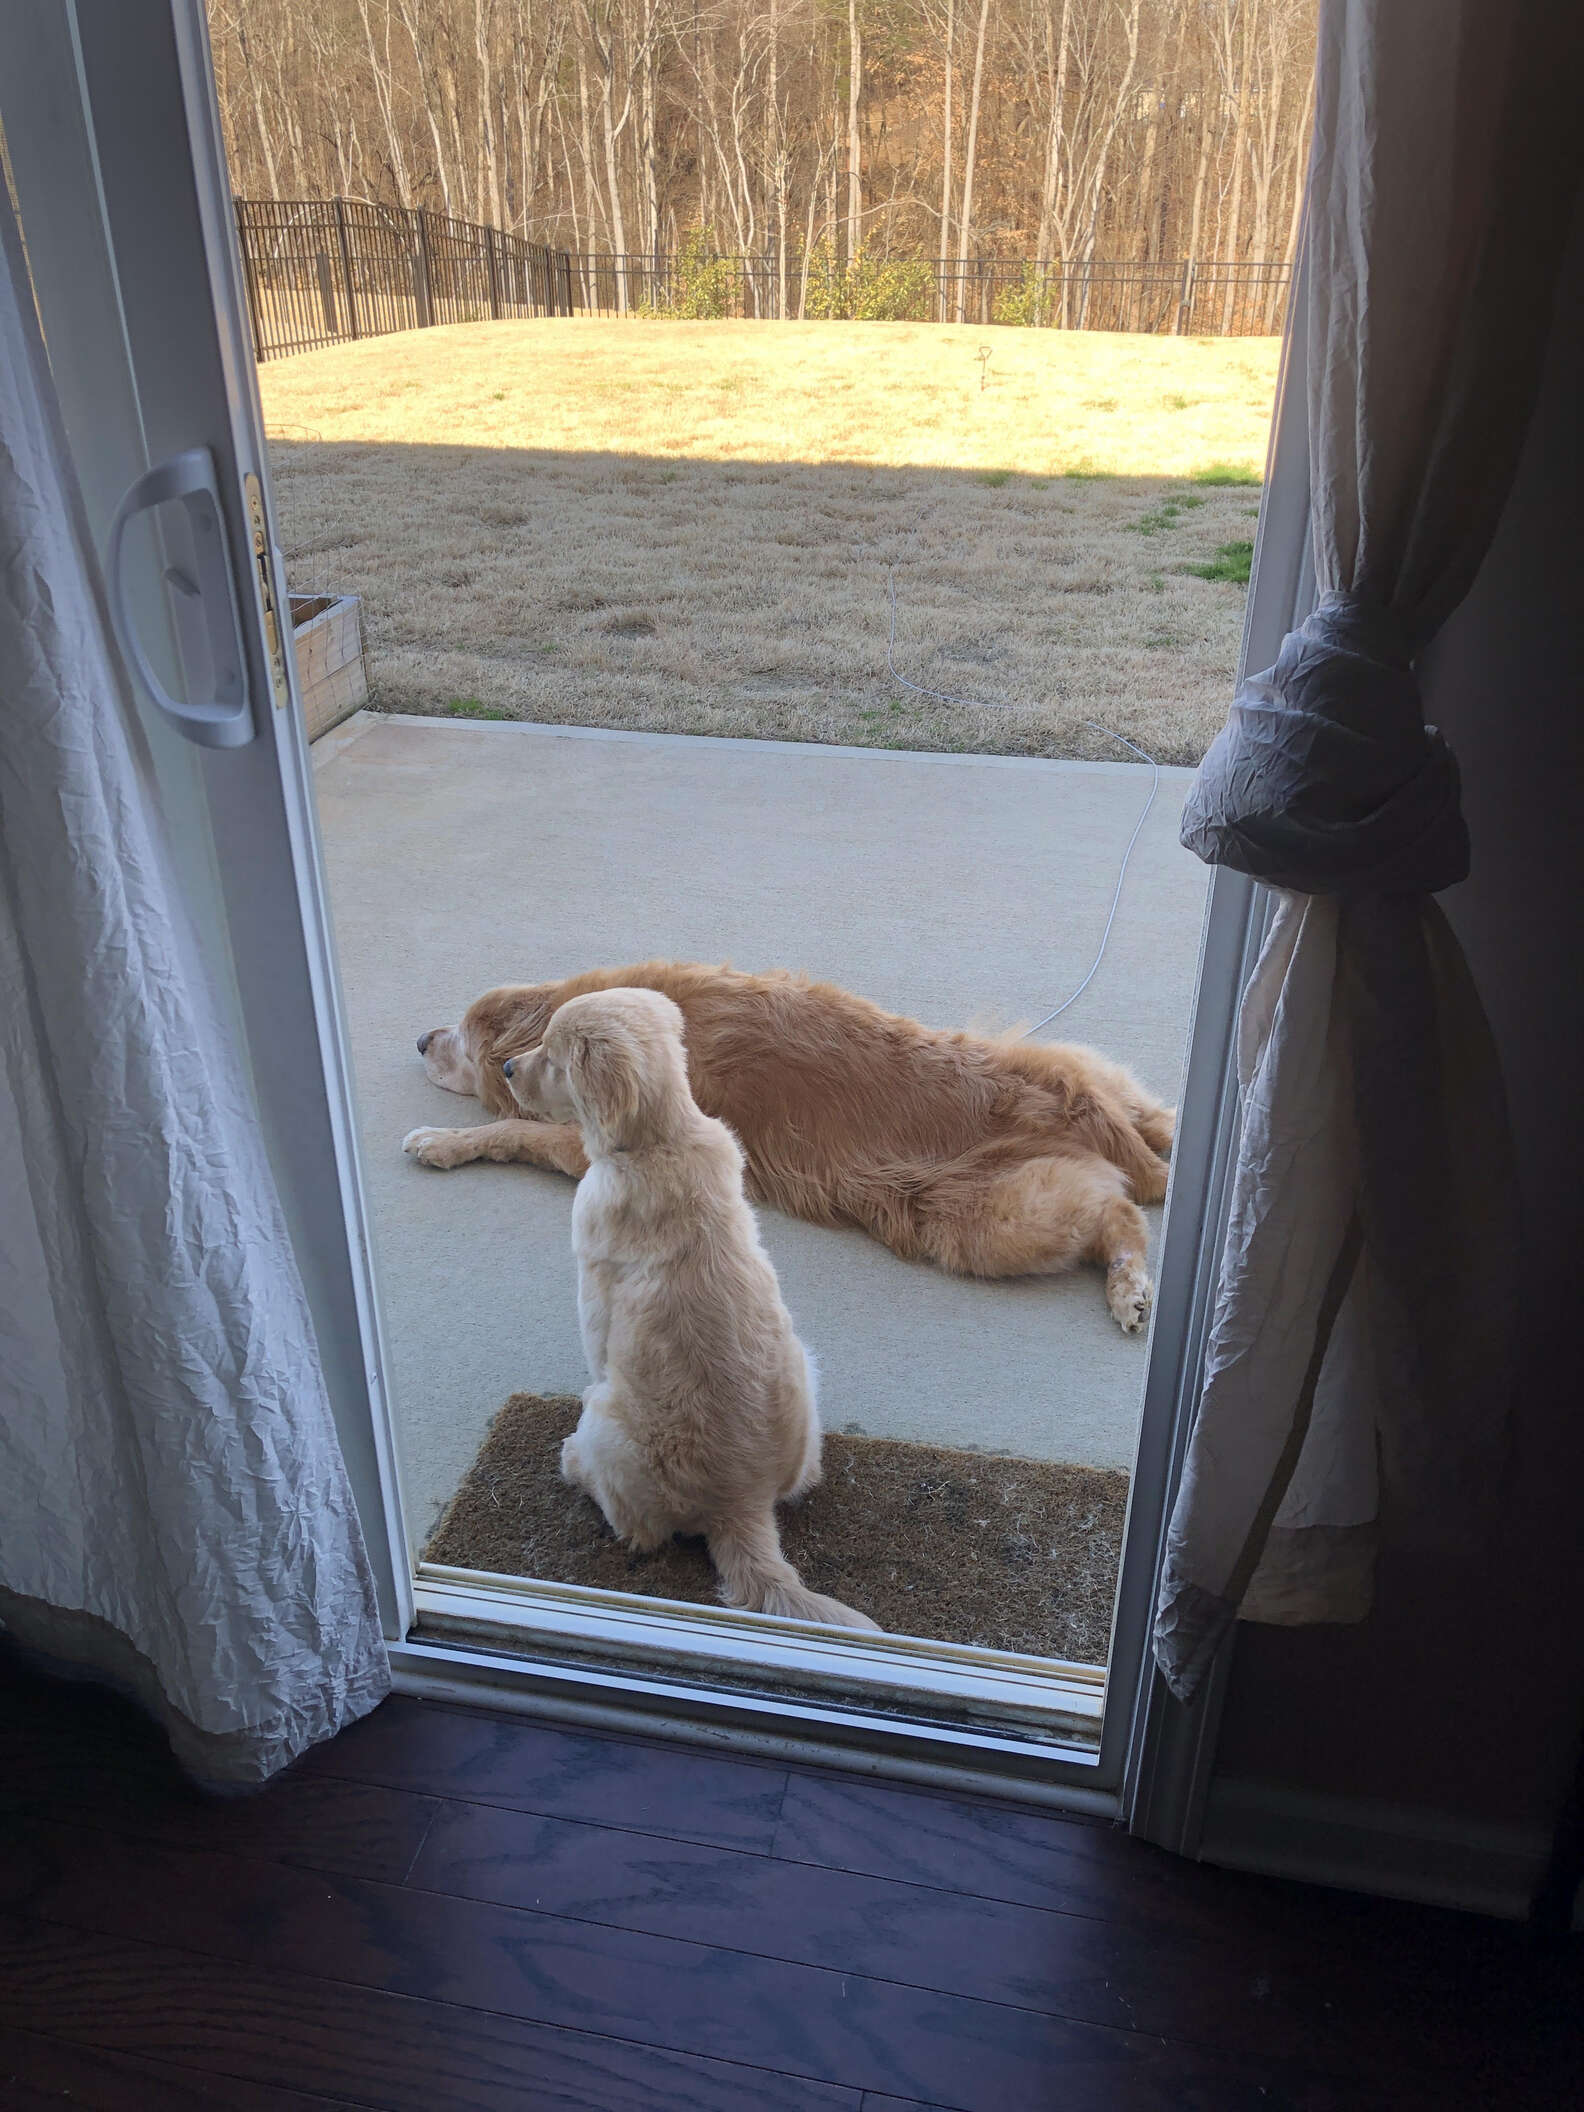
(250, 280)
(346, 269)
(327, 299)
(424, 276)
(491, 239)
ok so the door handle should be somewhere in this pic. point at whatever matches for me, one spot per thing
(216, 712)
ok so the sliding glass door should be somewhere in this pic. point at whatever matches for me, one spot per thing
(114, 152)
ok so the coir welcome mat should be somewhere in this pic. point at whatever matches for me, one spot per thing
(961, 1547)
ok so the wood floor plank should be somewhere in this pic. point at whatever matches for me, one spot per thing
(354, 1827)
(1267, 1994)
(872, 2102)
(39, 2072)
(961, 1845)
(530, 1766)
(813, 2022)
(286, 2030)
(1061, 1965)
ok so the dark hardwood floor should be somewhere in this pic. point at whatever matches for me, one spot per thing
(451, 1911)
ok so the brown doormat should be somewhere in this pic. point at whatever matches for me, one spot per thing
(961, 1547)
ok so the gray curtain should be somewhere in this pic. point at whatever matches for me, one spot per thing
(1357, 1355)
(174, 1511)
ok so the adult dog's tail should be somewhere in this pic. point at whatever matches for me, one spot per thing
(756, 1576)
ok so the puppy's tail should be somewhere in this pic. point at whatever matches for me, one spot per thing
(756, 1576)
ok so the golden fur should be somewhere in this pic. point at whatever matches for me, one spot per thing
(701, 1415)
(986, 1156)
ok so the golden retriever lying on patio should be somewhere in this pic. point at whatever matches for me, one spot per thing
(701, 1415)
(988, 1157)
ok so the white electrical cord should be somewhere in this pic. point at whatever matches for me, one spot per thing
(976, 704)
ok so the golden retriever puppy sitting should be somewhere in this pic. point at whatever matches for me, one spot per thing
(701, 1415)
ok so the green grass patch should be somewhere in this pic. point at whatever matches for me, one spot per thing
(995, 478)
(1167, 513)
(1231, 565)
(471, 708)
(1225, 473)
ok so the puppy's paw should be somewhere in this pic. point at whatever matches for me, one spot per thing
(434, 1147)
(1129, 1294)
(572, 1461)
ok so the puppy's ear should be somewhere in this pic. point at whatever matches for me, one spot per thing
(602, 1077)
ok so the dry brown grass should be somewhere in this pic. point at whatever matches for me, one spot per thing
(690, 527)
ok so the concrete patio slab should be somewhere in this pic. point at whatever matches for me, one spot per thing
(952, 888)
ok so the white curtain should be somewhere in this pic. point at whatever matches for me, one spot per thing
(1357, 1364)
(174, 1512)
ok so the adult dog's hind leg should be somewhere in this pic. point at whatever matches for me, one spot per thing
(1157, 1126)
(1039, 1219)
(1115, 1130)
(1121, 1242)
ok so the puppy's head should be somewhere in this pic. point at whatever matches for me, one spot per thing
(612, 1062)
(470, 1057)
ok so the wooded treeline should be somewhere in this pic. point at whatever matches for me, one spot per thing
(1055, 130)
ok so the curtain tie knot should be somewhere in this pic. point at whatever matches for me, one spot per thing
(1325, 778)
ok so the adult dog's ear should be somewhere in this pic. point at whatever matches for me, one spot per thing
(504, 1023)
(602, 1077)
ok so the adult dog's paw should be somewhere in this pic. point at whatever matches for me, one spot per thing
(434, 1147)
(1129, 1295)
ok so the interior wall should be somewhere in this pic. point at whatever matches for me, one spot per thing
(1464, 1692)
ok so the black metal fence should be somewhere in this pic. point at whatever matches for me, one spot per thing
(322, 271)
(1195, 298)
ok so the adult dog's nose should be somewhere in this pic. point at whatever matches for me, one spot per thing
(506, 1066)
(424, 1041)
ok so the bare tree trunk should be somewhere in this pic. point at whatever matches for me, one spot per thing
(1239, 148)
(1161, 87)
(1118, 108)
(593, 203)
(600, 18)
(256, 91)
(854, 135)
(1056, 80)
(1196, 213)
(569, 175)
(808, 247)
(647, 162)
(1300, 156)
(483, 45)
(427, 88)
(946, 157)
(777, 161)
(965, 227)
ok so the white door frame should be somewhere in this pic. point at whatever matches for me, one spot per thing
(115, 145)
(113, 137)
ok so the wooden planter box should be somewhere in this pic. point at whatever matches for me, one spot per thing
(328, 638)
